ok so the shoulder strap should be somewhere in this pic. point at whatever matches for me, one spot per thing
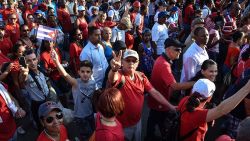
(121, 84)
(188, 134)
(33, 75)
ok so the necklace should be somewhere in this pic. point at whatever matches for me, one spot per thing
(49, 136)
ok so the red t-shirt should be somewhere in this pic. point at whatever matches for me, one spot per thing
(190, 121)
(189, 13)
(63, 135)
(74, 53)
(7, 122)
(49, 64)
(6, 46)
(6, 12)
(241, 67)
(162, 79)
(133, 96)
(83, 26)
(13, 32)
(233, 52)
(108, 133)
(64, 18)
(129, 40)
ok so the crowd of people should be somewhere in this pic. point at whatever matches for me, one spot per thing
(109, 57)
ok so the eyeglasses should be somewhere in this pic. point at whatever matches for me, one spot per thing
(25, 30)
(51, 119)
(131, 60)
(12, 18)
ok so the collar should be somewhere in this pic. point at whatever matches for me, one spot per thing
(164, 55)
(92, 46)
(198, 48)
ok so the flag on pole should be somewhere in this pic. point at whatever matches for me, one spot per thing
(46, 33)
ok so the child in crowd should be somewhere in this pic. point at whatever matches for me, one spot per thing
(110, 104)
(82, 90)
(146, 53)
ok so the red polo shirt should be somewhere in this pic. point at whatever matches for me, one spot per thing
(162, 79)
(133, 96)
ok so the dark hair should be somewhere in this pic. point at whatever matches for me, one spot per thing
(111, 103)
(29, 51)
(205, 65)
(43, 47)
(86, 63)
(198, 29)
(237, 35)
(21, 27)
(73, 34)
(194, 101)
(15, 48)
(91, 29)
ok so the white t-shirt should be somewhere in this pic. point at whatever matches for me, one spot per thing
(117, 35)
(159, 35)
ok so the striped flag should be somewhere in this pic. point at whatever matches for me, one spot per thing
(46, 33)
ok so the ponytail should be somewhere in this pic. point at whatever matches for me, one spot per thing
(194, 101)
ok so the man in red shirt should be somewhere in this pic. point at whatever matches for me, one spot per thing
(64, 18)
(163, 81)
(12, 28)
(132, 85)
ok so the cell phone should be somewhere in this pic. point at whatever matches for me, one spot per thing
(22, 61)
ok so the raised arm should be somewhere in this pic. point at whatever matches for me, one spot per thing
(115, 64)
(229, 104)
(69, 79)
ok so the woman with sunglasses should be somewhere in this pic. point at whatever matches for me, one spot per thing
(51, 118)
(195, 116)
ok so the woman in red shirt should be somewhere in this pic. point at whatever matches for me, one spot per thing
(81, 23)
(195, 116)
(75, 50)
(108, 128)
(51, 118)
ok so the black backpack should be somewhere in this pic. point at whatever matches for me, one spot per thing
(172, 124)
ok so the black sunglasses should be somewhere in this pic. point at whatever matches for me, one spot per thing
(51, 119)
(177, 49)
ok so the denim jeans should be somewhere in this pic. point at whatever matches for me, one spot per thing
(84, 127)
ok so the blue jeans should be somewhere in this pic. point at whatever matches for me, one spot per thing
(84, 127)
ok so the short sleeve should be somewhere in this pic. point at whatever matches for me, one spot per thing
(147, 84)
(189, 68)
(138, 20)
(84, 55)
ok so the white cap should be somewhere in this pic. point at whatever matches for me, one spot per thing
(81, 8)
(130, 53)
(114, 1)
(204, 87)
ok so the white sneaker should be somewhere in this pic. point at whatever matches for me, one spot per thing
(20, 130)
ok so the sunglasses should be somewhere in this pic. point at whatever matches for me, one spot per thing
(131, 60)
(51, 119)
(177, 49)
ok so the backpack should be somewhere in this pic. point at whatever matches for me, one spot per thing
(172, 124)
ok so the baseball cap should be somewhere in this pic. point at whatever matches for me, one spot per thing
(174, 9)
(114, 1)
(137, 4)
(204, 87)
(81, 8)
(163, 14)
(130, 53)
(119, 45)
(47, 107)
(173, 42)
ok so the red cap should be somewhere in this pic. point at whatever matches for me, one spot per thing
(137, 4)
